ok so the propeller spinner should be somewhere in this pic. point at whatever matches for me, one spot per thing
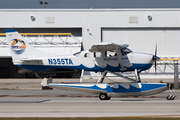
(155, 58)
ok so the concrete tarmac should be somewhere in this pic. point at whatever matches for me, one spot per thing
(87, 107)
(30, 101)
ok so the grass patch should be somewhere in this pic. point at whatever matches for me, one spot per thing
(99, 118)
(7, 89)
(161, 81)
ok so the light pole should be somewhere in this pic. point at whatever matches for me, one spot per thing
(42, 2)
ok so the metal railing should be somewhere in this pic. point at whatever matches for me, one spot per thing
(46, 40)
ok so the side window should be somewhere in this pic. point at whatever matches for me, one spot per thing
(97, 54)
(110, 54)
(87, 55)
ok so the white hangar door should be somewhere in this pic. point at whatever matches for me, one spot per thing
(145, 40)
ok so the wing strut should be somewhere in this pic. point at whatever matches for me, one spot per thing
(102, 78)
(119, 55)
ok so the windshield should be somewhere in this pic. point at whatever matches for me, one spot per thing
(125, 51)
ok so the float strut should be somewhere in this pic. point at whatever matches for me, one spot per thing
(102, 78)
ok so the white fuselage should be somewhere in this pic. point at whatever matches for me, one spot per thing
(90, 62)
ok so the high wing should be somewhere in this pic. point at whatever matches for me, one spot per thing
(106, 47)
(100, 47)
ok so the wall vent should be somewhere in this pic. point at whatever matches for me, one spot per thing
(49, 19)
(133, 19)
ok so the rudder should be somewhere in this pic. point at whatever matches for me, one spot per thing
(20, 48)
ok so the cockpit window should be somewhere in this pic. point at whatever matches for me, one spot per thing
(77, 54)
(87, 55)
(125, 51)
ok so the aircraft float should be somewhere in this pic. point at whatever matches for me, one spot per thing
(101, 57)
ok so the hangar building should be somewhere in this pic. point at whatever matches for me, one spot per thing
(142, 29)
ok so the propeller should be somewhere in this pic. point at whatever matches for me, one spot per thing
(155, 58)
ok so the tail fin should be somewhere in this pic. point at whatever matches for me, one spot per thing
(20, 48)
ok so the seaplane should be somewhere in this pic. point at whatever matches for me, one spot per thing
(101, 57)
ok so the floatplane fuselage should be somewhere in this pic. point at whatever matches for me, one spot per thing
(102, 57)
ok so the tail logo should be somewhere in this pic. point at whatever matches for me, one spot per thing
(18, 46)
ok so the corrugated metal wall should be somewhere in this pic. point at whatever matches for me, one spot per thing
(93, 20)
(130, 26)
(145, 39)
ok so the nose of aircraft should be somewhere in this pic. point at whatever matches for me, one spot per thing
(143, 58)
(155, 58)
(142, 61)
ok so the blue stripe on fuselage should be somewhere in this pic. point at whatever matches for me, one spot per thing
(80, 67)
